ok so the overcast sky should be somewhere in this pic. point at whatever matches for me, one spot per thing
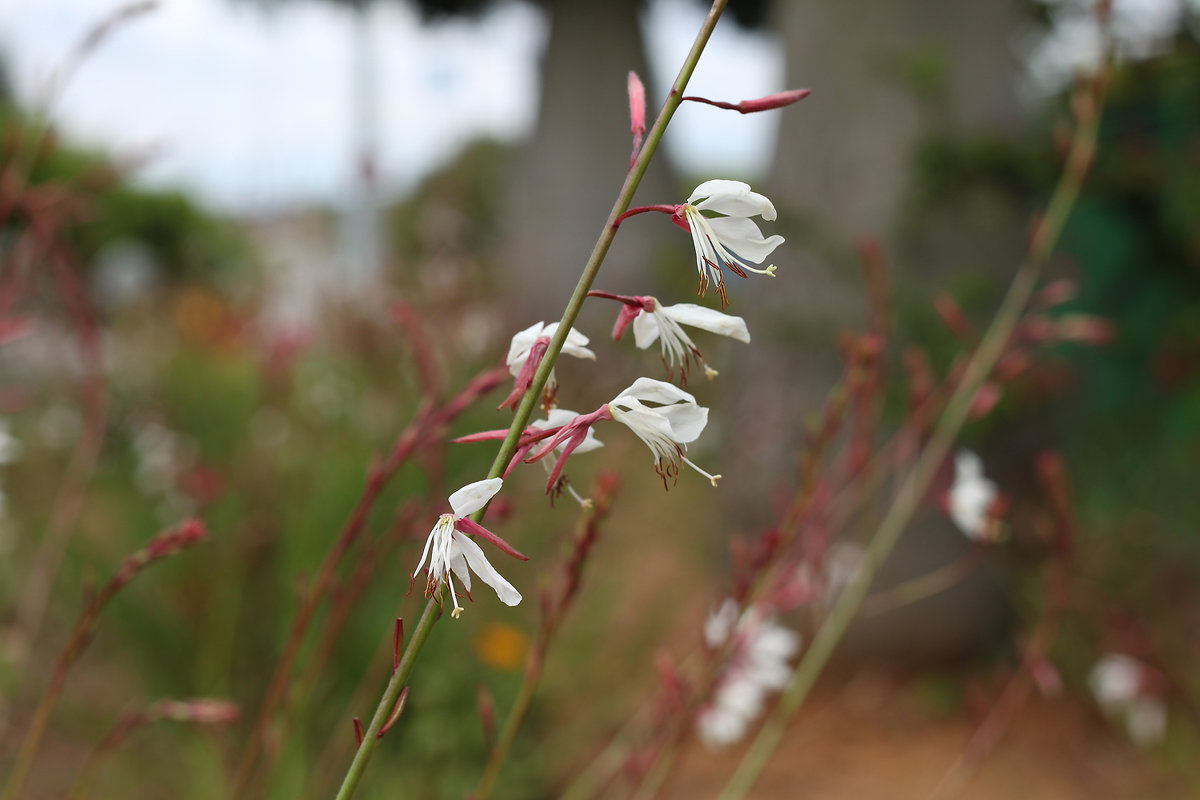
(251, 109)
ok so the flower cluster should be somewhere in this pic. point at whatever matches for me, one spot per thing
(757, 665)
(1122, 686)
(663, 416)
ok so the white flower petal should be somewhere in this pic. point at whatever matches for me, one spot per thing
(1115, 680)
(1146, 721)
(719, 624)
(967, 464)
(707, 319)
(742, 237)
(971, 495)
(555, 418)
(486, 572)
(718, 186)
(654, 391)
(474, 496)
(687, 421)
(522, 341)
(747, 204)
(645, 330)
(458, 564)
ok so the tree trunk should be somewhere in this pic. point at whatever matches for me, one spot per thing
(884, 73)
(573, 167)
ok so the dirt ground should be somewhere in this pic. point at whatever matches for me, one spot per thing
(872, 738)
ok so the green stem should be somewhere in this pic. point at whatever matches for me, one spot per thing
(943, 437)
(923, 586)
(430, 616)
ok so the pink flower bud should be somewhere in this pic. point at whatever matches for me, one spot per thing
(637, 105)
(1055, 293)
(950, 312)
(1086, 329)
(985, 400)
(772, 101)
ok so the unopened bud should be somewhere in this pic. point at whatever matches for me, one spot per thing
(1055, 293)
(772, 101)
(985, 400)
(950, 312)
(637, 105)
(1086, 329)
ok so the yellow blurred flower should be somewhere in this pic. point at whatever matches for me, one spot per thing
(501, 646)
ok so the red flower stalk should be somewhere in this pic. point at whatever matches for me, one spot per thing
(768, 103)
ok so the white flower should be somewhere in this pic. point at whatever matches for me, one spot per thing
(1146, 721)
(525, 353)
(732, 240)
(557, 418)
(1118, 682)
(758, 665)
(663, 324)
(10, 448)
(667, 427)
(1115, 680)
(972, 497)
(523, 342)
(450, 550)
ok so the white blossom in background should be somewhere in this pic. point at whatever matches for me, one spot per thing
(842, 564)
(10, 451)
(555, 418)
(666, 427)
(663, 324)
(10, 447)
(59, 426)
(1118, 682)
(757, 666)
(159, 458)
(971, 497)
(732, 241)
(451, 551)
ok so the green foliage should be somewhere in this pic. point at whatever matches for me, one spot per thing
(1131, 412)
(185, 240)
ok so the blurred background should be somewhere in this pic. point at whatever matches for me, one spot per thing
(244, 188)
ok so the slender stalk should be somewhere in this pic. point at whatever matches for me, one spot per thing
(923, 586)
(428, 618)
(917, 483)
(162, 546)
(554, 611)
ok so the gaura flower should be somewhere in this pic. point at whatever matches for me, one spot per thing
(450, 550)
(558, 418)
(525, 354)
(652, 321)
(1121, 685)
(567, 430)
(664, 324)
(972, 497)
(667, 427)
(732, 240)
(757, 665)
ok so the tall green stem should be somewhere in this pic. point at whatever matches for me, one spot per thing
(914, 487)
(430, 615)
